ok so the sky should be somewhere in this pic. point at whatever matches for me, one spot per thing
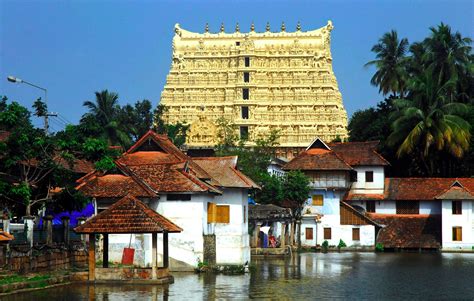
(74, 48)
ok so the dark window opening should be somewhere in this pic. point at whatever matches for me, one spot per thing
(244, 132)
(369, 176)
(245, 112)
(247, 61)
(353, 176)
(237, 43)
(178, 197)
(370, 206)
(245, 93)
(408, 207)
(457, 207)
(246, 77)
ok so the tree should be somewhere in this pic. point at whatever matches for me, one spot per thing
(429, 122)
(390, 64)
(136, 120)
(272, 190)
(296, 187)
(176, 132)
(105, 111)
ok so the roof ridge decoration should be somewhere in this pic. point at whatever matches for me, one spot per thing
(313, 144)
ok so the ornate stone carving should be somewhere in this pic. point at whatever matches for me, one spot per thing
(291, 85)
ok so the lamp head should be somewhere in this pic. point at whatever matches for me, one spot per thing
(14, 79)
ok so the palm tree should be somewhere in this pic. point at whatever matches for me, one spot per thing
(429, 122)
(390, 54)
(449, 54)
(105, 111)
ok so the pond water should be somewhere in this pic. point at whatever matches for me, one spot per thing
(308, 276)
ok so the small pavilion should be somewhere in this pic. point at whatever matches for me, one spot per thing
(129, 216)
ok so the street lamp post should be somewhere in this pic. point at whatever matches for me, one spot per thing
(48, 114)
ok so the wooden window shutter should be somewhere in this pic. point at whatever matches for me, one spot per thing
(309, 233)
(355, 234)
(327, 233)
(457, 233)
(211, 213)
(223, 214)
(318, 200)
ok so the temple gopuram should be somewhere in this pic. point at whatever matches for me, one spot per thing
(259, 81)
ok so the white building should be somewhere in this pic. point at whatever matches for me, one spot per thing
(206, 197)
(334, 170)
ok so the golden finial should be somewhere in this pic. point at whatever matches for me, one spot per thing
(222, 27)
(267, 28)
(252, 27)
(283, 27)
(237, 27)
(298, 26)
(206, 29)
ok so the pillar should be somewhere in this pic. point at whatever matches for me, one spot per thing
(282, 236)
(6, 222)
(80, 221)
(298, 223)
(65, 220)
(92, 257)
(48, 226)
(105, 253)
(29, 227)
(292, 234)
(154, 242)
(165, 250)
(256, 234)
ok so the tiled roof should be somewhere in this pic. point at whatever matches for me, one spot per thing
(6, 237)
(359, 153)
(422, 188)
(224, 173)
(4, 136)
(350, 216)
(269, 212)
(113, 186)
(317, 159)
(456, 192)
(128, 215)
(409, 231)
(364, 197)
(77, 165)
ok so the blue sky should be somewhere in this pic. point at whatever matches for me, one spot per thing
(74, 48)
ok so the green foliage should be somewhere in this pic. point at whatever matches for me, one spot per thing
(341, 244)
(325, 246)
(296, 188)
(272, 190)
(176, 132)
(105, 164)
(379, 247)
(41, 109)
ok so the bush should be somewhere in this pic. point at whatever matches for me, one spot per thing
(379, 247)
(341, 244)
(325, 246)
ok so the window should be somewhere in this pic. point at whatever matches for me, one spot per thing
(245, 93)
(237, 43)
(370, 206)
(211, 213)
(318, 200)
(223, 214)
(457, 207)
(178, 197)
(247, 61)
(457, 233)
(245, 112)
(327, 233)
(309, 233)
(355, 234)
(245, 214)
(246, 77)
(353, 176)
(244, 132)
(408, 207)
(369, 176)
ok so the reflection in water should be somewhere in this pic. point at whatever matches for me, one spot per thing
(307, 276)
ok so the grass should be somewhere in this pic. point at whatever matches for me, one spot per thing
(19, 278)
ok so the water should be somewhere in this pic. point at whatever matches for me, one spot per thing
(348, 276)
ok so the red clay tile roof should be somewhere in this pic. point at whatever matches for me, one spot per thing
(359, 153)
(364, 197)
(422, 188)
(317, 159)
(77, 165)
(224, 172)
(113, 186)
(6, 237)
(456, 192)
(128, 215)
(4, 136)
(409, 231)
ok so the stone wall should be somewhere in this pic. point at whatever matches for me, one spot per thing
(210, 248)
(43, 260)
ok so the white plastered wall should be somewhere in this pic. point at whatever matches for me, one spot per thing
(464, 220)
(375, 187)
